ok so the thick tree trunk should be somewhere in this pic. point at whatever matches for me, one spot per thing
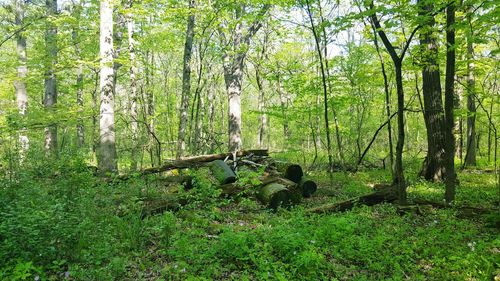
(450, 176)
(470, 154)
(50, 97)
(186, 82)
(433, 167)
(133, 91)
(233, 76)
(22, 71)
(233, 64)
(107, 161)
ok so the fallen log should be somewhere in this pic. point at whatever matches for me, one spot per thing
(221, 171)
(153, 206)
(462, 211)
(275, 195)
(387, 195)
(197, 161)
(186, 181)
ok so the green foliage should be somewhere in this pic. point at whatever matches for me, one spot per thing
(75, 224)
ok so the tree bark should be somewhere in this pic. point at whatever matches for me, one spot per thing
(186, 81)
(233, 75)
(107, 161)
(22, 71)
(450, 176)
(470, 156)
(433, 167)
(50, 96)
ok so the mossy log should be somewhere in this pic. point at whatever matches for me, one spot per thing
(222, 172)
(186, 181)
(377, 197)
(153, 206)
(462, 211)
(275, 195)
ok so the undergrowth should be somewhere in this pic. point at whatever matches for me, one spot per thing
(70, 225)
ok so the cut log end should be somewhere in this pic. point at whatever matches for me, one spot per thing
(308, 187)
(294, 173)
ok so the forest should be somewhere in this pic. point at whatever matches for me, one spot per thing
(249, 140)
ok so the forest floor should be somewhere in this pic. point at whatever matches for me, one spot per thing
(71, 226)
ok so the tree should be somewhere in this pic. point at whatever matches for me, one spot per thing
(50, 97)
(397, 60)
(237, 43)
(186, 80)
(22, 71)
(470, 154)
(133, 86)
(433, 167)
(107, 161)
(450, 176)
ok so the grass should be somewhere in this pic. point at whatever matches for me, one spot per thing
(76, 227)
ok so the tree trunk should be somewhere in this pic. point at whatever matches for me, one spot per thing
(233, 75)
(80, 130)
(470, 156)
(50, 97)
(325, 89)
(340, 149)
(262, 131)
(233, 64)
(22, 71)
(433, 167)
(186, 81)
(133, 91)
(399, 179)
(450, 176)
(107, 161)
(387, 101)
(283, 102)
